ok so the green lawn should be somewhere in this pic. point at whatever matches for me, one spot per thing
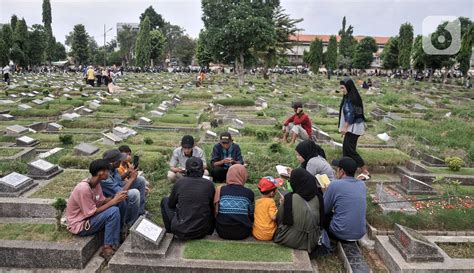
(33, 232)
(446, 170)
(236, 251)
(6, 152)
(61, 185)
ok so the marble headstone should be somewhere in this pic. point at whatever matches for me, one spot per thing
(42, 169)
(85, 149)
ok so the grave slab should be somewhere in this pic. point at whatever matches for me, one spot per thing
(85, 149)
(42, 169)
(16, 130)
(54, 127)
(26, 141)
(111, 139)
(392, 201)
(412, 186)
(6, 117)
(15, 184)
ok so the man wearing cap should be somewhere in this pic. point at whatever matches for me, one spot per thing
(134, 205)
(345, 203)
(189, 211)
(181, 155)
(298, 125)
(224, 154)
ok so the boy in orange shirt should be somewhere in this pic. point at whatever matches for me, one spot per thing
(264, 225)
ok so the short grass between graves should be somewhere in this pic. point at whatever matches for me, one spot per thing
(34, 232)
(7, 152)
(236, 251)
(61, 185)
(446, 170)
(458, 250)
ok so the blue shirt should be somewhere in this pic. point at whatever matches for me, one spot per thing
(346, 200)
(113, 184)
(219, 153)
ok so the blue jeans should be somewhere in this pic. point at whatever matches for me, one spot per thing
(109, 221)
(130, 207)
(140, 185)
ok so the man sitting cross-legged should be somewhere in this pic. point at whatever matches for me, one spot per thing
(89, 212)
(181, 155)
(134, 205)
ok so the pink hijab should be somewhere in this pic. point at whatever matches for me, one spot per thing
(236, 175)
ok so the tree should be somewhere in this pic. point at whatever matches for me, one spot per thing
(143, 45)
(4, 54)
(37, 38)
(157, 45)
(203, 51)
(50, 41)
(172, 34)
(7, 36)
(185, 50)
(80, 45)
(17, 55)
(13, 21)
(156, 20)
(364, 53)
(390, 54)
(347, 42)
(405, 43)
(60, 205)
(418, 54)
(314, 58)
(59, 52)
(236, 28)
(20, 43)
(465, 53)
(126, 39)
(330, 59)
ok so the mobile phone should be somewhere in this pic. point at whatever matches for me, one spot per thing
(136, 161)
(282, 191)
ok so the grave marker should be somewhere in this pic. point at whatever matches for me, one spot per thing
(85, 149)
(24, 107)
(391, 201)
(144, 121)
(157, 114)
(15, 184)
(16, 130)
(412, 186)
(413, 246)
(54, 127)
(111, 139)
(42, 169)
(238, 123)
(233, 131)
(26, 141)
(6, 117)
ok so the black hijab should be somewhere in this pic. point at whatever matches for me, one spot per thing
(303, 184)
(353, 96)
(194, 167)
(308, 149)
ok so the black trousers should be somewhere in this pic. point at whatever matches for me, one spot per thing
(99, 80)
(90, 82)
(218, 174)
(6, 78)
(233, 232)
(167, 213)
(349, 146)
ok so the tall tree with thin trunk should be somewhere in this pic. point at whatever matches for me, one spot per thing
(405, 44)
(143, 45)
(80, 45)
(156, 20)
(390, 54)
(7, 36)
(364, 53)
(465, 53)
(47, 20)
(331, 53)
(13, 21)
(314, 58)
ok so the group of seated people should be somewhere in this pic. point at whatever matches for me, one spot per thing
(114, 197)
(306, 218)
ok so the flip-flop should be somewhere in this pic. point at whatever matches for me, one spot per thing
(363, 177)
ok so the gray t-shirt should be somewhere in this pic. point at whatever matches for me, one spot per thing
(319, 165)
(178, 159)
(356, 128)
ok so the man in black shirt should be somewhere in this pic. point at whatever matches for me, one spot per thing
(188, 212)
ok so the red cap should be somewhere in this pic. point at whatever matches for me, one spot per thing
(269, 183)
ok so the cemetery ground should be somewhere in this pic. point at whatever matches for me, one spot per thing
(67, 124)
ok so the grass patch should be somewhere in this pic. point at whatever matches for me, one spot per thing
(34, 232)
(330, 264)
(236, 251)
(61, 185)
(446, 170)
(6, 152)
(458, 250)
(236, 102)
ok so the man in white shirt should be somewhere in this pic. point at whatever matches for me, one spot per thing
(181, 155)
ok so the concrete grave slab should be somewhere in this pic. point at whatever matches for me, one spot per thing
(391, 201)
(85, 149)
(26, 141)
(111, 139)
(54, 127)
(42, 169)
(412, 186)
(15, 184)
(6, 117)
(16, 130)
(50, 153)
(144, 121)
(24, 107)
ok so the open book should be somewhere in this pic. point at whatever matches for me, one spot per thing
(282, 170)
(323, 180)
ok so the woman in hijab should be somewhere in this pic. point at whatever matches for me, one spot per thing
(313, 158)
(300, 214)
(352, 123)
(234, 206)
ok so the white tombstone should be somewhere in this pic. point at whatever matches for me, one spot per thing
(157, 113)
(16, 130)
(6, 117)
(24, 107)
(233, 131)
(144, 121)
(54, 127)
(26, 141)
(238, 123)
(111, 139)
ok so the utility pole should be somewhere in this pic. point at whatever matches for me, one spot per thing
(105, 35)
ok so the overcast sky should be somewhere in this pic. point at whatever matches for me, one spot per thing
(369, 17)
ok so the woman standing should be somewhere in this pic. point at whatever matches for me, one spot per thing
(352, 123)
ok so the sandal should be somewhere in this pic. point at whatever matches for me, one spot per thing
(107, 252)
(363, 177)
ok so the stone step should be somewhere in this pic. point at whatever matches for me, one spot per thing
(16, 220)
(26, 208)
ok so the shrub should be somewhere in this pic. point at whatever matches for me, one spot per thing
(275, 148)
(66, 139)
(60, 205)
(260, 114)
(148, 141)
(454, 163)
(391, 98)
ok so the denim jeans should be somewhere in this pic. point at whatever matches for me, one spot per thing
(109, 221)
(140, 185)
(130, 207)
